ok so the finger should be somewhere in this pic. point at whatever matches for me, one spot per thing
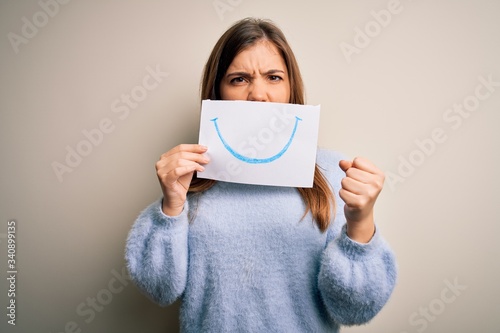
(370, 189)
(186, 169)
(354, 201)
(365, 165)
(345, 165)
(180, 158)
(192, 148)
(166, 166)
(188, 156)
(172, 176)
(183, 164)
(353, 186)
(349, 198)
(360, 175)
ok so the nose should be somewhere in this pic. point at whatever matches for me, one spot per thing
(257, 92)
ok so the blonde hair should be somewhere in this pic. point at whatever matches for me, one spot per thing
(319, 199)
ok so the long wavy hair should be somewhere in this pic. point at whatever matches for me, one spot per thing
(319, 199)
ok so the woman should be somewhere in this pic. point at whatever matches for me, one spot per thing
(249, 258)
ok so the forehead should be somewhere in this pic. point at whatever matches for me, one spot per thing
(262, 54)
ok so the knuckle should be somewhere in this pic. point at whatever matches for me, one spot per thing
(175, 173)
(363, 201)
(348, 172)
(163, 178)
(183, 147)
(372, 194)
(355, 205)
(357, 160)
(183, 155)
(379, 182)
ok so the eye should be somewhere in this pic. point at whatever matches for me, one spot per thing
(237, 80)
(275, 78)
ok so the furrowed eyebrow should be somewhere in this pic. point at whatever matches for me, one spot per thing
(238, 74)
(245, 74)
(274, 71)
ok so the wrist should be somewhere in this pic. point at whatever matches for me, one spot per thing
(361, 231)
(171, 211)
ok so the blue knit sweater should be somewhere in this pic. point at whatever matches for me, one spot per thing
(243, 260)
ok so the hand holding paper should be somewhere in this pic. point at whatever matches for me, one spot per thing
(175, 170)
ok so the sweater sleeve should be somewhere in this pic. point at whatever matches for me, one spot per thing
(157, 253)
(355, 279)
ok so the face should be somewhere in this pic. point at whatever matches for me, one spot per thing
(258, 73)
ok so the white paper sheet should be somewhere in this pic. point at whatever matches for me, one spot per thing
(260, 143)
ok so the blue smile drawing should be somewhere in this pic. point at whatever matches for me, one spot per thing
(256, 160)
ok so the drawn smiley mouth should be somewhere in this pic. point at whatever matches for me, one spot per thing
(256, 160)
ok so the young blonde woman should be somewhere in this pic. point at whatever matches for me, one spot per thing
(250, 258)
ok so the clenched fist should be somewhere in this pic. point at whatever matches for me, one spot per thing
(360, 189)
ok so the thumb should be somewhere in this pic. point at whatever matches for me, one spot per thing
(345, 164)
